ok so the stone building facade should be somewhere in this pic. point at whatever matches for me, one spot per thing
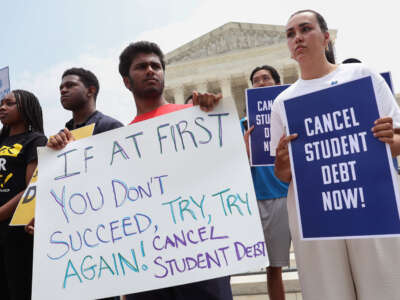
(222, 60)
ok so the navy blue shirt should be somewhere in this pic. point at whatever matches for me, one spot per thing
(103, 123)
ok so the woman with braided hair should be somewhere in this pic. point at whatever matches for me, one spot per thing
(22, 132)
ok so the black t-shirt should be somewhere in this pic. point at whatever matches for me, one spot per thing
(103, 123)
(16, 152)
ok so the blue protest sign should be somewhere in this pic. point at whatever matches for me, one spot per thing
(259, 102)
(342, 175)
(4, 82)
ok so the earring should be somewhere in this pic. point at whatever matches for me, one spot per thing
(30, 128)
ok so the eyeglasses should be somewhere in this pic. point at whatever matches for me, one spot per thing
(263, 78)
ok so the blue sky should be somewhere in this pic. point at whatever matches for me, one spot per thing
(43, 32)
(42, 38)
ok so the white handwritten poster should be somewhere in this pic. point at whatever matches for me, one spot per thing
(163, 202)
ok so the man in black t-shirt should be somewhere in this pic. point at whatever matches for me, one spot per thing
(79, 89)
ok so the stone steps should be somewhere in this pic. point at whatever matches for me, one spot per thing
(254, 286)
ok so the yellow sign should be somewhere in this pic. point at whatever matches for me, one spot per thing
(25, 210)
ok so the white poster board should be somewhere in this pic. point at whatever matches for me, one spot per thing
(163, 202)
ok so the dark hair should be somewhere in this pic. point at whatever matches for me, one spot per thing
(133, 49)
(87, 77)
(272, 70)
(31, 112)
(329, 52)
(351, 60)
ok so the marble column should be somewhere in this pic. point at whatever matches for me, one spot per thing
(289, 74)
(201, 87)
(179, 95)
(226, 87)
(249, 85)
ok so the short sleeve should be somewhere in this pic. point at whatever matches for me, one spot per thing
(31, 151)
(116, 124)
(277, 126)
(105, 124)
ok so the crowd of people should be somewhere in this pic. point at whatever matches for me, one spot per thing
(352, 269)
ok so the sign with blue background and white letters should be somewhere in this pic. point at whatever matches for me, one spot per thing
(258, 106)
(344, 182)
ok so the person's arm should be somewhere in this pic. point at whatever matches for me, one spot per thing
(7, 209)
(282, 161)
(60, 140)
(246, 138)
(206, 101)
(383, 131)
(30, 227)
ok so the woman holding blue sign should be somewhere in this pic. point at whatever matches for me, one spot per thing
(335, 269)
(22, 132)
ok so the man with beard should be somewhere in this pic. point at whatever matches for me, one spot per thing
(142, 68)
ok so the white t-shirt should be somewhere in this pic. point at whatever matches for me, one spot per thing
(387, 105)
